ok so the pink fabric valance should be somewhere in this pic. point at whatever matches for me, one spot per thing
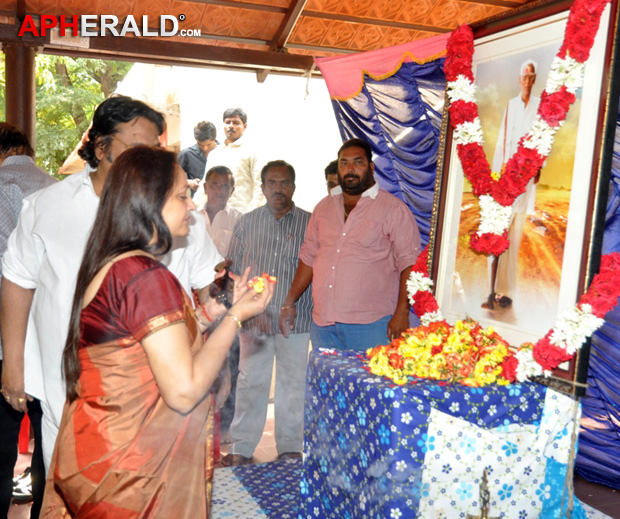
(344, 75)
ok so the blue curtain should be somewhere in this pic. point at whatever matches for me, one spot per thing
(401, 117)
(598, 457)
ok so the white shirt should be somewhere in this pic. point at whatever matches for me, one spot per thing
(241, 159)
(45, 252)
(222, 226)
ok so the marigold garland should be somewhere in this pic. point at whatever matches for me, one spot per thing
(497, 191)
(473, 356)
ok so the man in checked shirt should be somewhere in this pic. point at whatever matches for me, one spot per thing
(268, 240)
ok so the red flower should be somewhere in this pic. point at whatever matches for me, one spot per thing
(424, 302)
(459, 53)
(527, 162)
(548, 355)
(476, 167)
(579, 36)
(462, 112)
(602, 296)
(396, 361)
(489, 243)
(509, 368)
(509, 186)
(421, 264)
(554, 107)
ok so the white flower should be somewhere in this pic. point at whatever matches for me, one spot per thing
(566, 72)
(406, 417)
(540, 137)
(401, 466)
(461, 90)
(468, 132)
(573, 327)
(527, 367)
(418, 282)
(430, 317)
(395, 513)
(494, 217)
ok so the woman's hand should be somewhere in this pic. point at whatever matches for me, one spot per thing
(241, 284)
(252, 303)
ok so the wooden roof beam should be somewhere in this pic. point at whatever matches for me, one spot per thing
(170, 52)
(283, 33)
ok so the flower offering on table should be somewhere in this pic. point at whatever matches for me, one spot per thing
(373, 449)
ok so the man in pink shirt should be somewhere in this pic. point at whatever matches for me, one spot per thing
(359, 248)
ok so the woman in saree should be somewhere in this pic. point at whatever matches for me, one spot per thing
(134, 440)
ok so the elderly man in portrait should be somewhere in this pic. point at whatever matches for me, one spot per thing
(239, 155)
(516, 122)
(360, 246)
(45, 251)
(19, 177)
(268, 240)
(193, 159)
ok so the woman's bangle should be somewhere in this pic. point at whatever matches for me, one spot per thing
(287, 306)
(234, 318)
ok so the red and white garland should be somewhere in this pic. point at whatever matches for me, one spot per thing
(569, 332)
(497, 191)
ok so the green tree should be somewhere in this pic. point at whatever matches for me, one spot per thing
(67, 92)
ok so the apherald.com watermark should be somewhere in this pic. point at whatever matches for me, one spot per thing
(101, 25)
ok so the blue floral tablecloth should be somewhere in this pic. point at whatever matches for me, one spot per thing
(376, 450)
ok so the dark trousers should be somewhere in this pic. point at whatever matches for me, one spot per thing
(228, 409)
(10, 422)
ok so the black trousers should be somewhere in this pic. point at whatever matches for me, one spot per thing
(227, 412)
(10, 422)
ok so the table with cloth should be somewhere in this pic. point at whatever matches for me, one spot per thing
(376, 450)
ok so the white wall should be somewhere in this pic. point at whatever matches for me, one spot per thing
(285, 122)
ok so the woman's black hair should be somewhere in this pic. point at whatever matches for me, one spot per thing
(129, 218)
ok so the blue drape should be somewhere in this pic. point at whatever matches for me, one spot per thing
(401, 117)
(598, 458)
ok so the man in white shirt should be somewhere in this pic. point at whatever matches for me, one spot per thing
(221, 217)
(19, 177)
(239, 156)
(516, 122)
(45, 252)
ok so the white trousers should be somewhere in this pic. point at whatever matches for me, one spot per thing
(256, 358)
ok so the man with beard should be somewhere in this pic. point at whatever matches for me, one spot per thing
(268, 240)
(360, 245)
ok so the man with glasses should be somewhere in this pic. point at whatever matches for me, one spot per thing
(45, 251)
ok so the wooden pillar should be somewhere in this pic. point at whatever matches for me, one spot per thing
(20, 88)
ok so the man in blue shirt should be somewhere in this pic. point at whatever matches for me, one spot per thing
(194, 159)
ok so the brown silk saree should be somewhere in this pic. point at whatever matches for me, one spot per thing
(121, 451)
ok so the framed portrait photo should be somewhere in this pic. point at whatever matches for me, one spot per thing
(556, 224)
